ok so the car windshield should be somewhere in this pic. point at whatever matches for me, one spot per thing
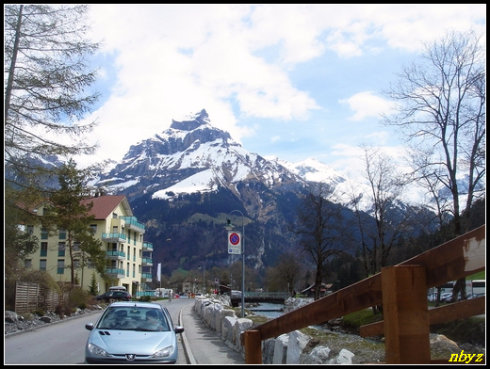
(134, 318)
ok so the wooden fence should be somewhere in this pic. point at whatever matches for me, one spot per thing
(30, 297)
(402, 291)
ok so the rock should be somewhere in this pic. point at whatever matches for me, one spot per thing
(296, 344)
(345, 357)
(442, 347)
(227, 328)
(280, 349)
(11, 316)
(319, 355)
(241, 325)
(268, 350)
(46, 319)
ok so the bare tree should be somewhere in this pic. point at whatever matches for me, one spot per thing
(385, 189)
(319, 227)
(442, 109)
(285, 274)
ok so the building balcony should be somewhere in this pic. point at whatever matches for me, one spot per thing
(145, 277)
(113, 237)
(147, 246)
(132, 223)
(115, 272)
(116, 255)
(146, 261)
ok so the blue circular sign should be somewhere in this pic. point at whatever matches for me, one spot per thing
(234, 239)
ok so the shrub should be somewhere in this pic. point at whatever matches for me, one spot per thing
(78, 298)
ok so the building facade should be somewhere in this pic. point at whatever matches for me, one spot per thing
(128, 257)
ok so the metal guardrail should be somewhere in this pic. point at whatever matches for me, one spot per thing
(402, 290)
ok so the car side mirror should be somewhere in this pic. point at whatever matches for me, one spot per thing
(178, 329)
(89, 326)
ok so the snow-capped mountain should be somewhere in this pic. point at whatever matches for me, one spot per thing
(185, 181)
(192, 157)
(343, 189)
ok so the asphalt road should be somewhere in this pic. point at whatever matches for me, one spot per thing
(64, 342)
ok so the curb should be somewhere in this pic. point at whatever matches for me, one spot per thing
(185, 343)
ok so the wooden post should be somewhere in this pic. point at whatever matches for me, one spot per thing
(406, 318)
(253, 347)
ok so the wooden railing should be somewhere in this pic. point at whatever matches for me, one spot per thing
(402, 291)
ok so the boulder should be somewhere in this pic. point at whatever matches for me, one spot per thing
(241, 325)
(280, 349)
(296, 343)
(46, 319)
(319, 355)
(11, 316)
(344, 357)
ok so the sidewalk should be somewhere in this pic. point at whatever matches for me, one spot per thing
(202, 345)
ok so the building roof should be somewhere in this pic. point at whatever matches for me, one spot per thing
(103, 206)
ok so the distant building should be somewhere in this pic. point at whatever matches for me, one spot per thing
(324, 290)
(128, 258)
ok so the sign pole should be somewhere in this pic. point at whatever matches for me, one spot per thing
(234, 239)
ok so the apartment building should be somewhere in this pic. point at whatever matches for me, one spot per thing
(129, 258)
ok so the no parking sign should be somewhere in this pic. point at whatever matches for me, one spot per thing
(234, 243)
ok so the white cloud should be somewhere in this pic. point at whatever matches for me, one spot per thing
(237, 60)
(366, 104)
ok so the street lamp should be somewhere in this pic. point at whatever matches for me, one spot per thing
(243, 259)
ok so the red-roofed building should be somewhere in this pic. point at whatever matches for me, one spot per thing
(129, 257)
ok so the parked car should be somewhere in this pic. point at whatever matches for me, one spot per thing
(114, 295)
(133, 333)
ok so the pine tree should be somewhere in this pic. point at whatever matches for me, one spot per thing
(66, 211)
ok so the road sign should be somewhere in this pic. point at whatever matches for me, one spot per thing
(234, 243)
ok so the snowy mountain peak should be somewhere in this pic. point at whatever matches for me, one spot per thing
(193, 156)
(199, 119)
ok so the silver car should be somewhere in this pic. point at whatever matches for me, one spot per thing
(133, 332)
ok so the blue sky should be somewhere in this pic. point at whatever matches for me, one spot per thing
(292, 81)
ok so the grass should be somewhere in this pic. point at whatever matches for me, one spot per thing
(354, 320)
(470, 330)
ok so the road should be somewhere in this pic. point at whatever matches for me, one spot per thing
(64, 342)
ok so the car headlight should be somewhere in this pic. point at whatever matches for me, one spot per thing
(96, 350)
(164, 352)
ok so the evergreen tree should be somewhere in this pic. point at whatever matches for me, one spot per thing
(68, 212)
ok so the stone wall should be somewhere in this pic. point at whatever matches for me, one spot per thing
(286, 349)
(327, 347)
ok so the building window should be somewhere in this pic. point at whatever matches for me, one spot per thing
(28, 263)
(61, 249)
(62, 234)
(44, 249)
(134, 271)
(93, 228)
(44, 234)
(127, 271)
(42, 264)
(128, 256)
(30, 229)
(114, 215)
(76, 246)
(61, 267)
